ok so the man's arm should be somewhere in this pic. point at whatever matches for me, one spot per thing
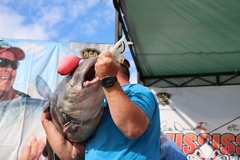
(128, 117)
(62, 147)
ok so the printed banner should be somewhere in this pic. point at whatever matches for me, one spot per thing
(204, 122)
(28, 77)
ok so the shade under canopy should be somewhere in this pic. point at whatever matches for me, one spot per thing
(183, 43)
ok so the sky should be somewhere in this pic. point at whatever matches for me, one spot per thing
(90, 21)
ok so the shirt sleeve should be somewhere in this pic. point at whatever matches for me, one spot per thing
(143, 98)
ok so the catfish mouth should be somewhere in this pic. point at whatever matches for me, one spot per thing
(90, 76)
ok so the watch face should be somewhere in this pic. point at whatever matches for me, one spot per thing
(108, 81)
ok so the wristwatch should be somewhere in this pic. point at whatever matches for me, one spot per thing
(108, 81)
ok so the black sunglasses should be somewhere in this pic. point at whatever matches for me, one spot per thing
(5, 62)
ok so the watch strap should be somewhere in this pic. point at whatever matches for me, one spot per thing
(108, 81)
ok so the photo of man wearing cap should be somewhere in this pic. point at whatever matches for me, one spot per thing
(9, 63)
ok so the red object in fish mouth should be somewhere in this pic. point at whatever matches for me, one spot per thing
(68, 64)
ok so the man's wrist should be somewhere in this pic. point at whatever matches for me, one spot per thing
(108, 81)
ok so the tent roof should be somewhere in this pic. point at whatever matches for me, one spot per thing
(183, 43)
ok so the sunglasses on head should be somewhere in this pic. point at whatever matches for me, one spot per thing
(4, 45)
(5, 62)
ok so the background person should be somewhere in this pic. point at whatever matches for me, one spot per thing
(130, 127)
(9, 62)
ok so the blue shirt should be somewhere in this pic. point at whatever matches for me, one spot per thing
(108, 142)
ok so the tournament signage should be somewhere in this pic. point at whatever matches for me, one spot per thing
(204, 122)
(90, 52)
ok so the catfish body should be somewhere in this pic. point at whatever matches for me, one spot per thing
(76, 106)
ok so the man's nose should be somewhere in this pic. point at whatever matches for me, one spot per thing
(9, 67)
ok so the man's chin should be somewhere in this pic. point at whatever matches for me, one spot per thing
(5, 87)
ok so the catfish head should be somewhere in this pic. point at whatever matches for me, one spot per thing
(76, 106)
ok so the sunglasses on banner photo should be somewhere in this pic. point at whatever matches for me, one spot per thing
(5, 62)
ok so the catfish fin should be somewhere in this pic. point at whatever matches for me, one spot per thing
(42, 88)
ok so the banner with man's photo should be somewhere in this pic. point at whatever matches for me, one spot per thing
(28, 78)
(204, 122)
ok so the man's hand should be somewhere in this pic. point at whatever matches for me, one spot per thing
(33, 149)
(106, 65)
(62, 147)
(46, 116)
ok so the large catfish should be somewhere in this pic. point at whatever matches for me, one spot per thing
(76, 105)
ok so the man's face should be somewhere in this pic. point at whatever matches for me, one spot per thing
(7, 74)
